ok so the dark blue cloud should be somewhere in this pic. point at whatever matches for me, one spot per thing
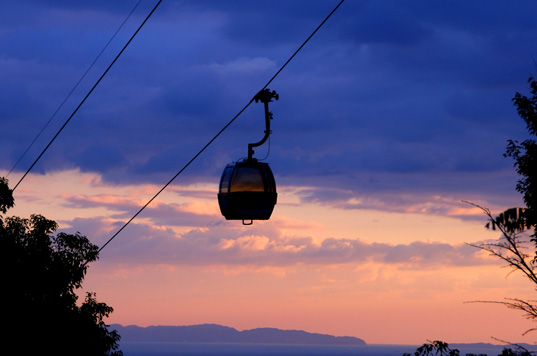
(389, 23)
(388, 96)
(102, 158)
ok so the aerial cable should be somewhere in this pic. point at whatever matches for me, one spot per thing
(89, 93)
(303, 44)
(219, 132)
(74, 88)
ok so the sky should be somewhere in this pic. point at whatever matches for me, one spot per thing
(391, 119)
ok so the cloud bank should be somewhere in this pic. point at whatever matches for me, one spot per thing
(387, 97)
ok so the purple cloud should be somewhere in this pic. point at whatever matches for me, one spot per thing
(149, 243)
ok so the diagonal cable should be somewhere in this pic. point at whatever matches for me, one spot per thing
(220, 132)
(88, 94)
(74, 88)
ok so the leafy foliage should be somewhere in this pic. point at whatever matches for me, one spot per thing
(435, 348)
(440, 348)
(6, 196)
(40, 274)
(525, 154)
(512, 247)
(512, 219)
(519, 352)
(512, 223)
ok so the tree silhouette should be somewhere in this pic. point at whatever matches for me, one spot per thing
(518, 226)
(435, 348)
(525, 156)
(514, 224)
(525, 161)
(40, 274)
(440, 348)
(512, 248)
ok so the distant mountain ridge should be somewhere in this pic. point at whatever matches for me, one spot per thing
(213, 333)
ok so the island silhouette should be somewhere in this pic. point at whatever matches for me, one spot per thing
(213, 333)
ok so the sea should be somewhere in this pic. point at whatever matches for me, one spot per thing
(211, 349)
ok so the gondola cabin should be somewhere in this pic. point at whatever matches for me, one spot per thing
(247, 191)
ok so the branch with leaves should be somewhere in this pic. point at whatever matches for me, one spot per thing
(434, 348)
(511, 248)
(441, 348)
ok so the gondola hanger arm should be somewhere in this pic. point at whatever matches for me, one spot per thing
(265, 96)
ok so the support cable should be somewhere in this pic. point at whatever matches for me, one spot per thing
(74, 88)
(89, 93)
(220, 132)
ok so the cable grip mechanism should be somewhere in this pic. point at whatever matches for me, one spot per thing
(265, 96)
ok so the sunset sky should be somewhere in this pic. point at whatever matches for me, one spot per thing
(393, 115)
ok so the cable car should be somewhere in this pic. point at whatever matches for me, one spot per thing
(247, 188)
(247, 191)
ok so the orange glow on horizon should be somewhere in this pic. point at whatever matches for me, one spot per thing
(315, 267)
